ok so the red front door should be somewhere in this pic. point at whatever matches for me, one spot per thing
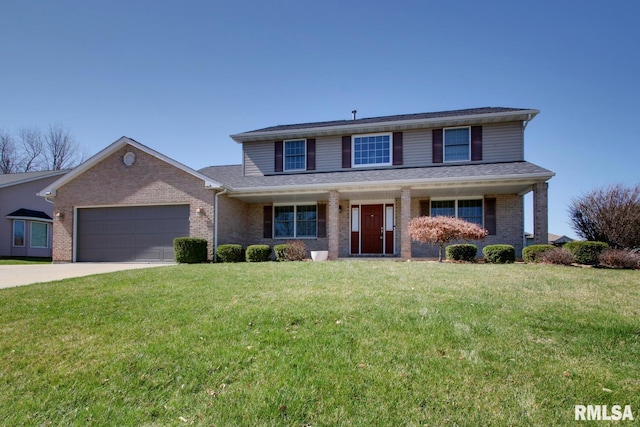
(371, 229)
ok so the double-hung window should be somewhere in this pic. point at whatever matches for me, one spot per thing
(18, 233)
(295, 221)
(295, 154)
(468, 210)
(39, 237)
(372, 150)
(457, 144)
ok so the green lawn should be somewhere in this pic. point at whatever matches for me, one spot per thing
(24, 260)
(321, 344)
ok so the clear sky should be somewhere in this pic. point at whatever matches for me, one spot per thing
(181, 76)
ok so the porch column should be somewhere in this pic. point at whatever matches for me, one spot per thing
(333, 225)
(540, 213)
(405, 217)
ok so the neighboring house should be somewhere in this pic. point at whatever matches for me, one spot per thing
(25, 218)
(552, 239)
(349, 187)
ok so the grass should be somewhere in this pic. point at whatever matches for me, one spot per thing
(24, 260)
(339, 343)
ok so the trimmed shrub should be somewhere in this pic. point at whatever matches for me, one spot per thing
(586, 252)
(190, 250)
(618, 258)
(462, 252)
(258, 253)
(556, 256)
(499, 254)
(294, 250)
(230, 253)
(531, 253)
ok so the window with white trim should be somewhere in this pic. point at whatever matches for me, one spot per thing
(295, 154)
(457, 144)
(372, 150)
(470, 210)
(295, 221)
(39, 236)
(18, 232)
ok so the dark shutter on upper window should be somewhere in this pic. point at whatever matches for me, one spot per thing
(346, 152)
(311, 154)
(322, 220)
(436, 135)
(490, 215)
(397, 148)
(476, 142)
(267, 223)
(278, 162)
(425, 207)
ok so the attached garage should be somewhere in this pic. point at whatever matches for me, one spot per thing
(131, 233)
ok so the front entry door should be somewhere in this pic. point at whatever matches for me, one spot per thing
(372, 229)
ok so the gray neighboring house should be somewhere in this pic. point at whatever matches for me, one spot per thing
(25, 218)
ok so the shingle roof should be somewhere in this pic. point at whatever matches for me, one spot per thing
(10, 179)
(28, 213)
(232, 177)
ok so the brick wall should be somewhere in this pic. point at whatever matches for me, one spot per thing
(148, 181)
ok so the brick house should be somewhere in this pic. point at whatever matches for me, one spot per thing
(349, 187)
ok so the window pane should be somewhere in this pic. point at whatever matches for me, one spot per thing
(443, 208)
(470, 210)
(18, 233)
(294, 155)
(306, 221)
(456, 144)
(283, 221)
(371, 150)
(39, 235)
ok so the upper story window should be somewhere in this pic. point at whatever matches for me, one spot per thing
(372, 150)
(457, 144)
(295, 157)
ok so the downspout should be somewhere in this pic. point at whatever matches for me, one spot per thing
(215, 223)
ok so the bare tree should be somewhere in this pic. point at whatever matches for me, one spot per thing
(31, 148)
(8, 154)
(609, 214)
(61, 149)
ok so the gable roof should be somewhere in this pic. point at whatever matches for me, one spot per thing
(10, 179)
(390, 123)
(92, 161)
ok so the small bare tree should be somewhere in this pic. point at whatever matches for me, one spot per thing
(31, 148)
(609, 214)
(8, 154)
(61, 149)
(442, 229)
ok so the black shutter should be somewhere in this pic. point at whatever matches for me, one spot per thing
(436, 135)
(267, 223)
(278, 161)
(425, 207)
(397, 148)
(476, 143)
(346, 152)
(490, 215)
(322, 220)
(311, 154)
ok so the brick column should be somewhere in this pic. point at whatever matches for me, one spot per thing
(405, 217)
(333, 225)
(540, 213)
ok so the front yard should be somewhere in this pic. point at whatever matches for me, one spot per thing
(339, 343)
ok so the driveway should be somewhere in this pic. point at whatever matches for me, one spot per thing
(19, 275)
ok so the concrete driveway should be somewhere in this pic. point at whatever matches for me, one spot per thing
(19, 275)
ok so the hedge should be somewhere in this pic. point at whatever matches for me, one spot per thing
(531, 253)
(230, 253)
(258, 253)
(294, 250)
(499, 254)
(462, 252)
(586, 252)
(190, 250)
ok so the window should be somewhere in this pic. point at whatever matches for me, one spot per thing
(468, 210)
(18, 233)
(295, 221)
(370, 150)
(295, 154)
(457, 144)
(39, 235)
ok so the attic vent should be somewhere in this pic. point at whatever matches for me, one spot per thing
(353, 114)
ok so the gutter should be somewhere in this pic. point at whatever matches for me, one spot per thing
(215, 222)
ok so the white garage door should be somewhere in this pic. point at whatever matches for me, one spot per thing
(121, 234)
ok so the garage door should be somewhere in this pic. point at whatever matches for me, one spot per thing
(140, 233)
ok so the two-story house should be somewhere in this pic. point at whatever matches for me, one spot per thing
(349, 187)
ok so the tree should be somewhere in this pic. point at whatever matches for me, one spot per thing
(442, 229)
(8, 154)
(31, 147)
(60, 148)
(608, 214)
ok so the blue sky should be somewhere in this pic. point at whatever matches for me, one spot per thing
(181, 76)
